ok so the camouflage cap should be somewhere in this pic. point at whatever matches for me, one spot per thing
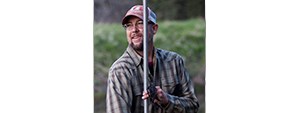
(137, 11)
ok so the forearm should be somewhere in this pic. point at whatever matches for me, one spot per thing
(181, 104)
(183, 99)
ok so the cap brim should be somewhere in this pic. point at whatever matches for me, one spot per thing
(125, 18)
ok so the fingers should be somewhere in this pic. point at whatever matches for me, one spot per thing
(145, 95)
(156, 101)
(157, 87)
(159, 92)
(161, 96)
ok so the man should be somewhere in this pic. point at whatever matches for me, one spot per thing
(173, 90)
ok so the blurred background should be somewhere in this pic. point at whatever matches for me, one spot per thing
(181, 29)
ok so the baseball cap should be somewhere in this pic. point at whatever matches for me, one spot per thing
(137, 11)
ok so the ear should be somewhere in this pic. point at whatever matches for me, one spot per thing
(154, 28)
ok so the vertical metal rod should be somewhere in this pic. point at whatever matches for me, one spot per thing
(145, 50)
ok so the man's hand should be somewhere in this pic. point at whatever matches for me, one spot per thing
(161, 98)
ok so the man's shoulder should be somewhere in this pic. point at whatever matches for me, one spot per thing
(168, 55)
(123, 62)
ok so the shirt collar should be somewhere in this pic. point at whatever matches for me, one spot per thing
(137, 59)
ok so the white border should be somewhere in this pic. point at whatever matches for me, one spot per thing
(253, 56)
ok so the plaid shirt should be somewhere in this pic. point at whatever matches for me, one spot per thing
(125, 84)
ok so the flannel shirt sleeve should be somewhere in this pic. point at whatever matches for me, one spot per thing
(187, 102)
(117, 96)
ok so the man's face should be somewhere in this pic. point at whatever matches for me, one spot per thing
(134, 31)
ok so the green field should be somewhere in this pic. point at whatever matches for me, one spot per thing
(184, 37)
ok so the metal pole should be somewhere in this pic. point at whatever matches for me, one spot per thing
(145, 50)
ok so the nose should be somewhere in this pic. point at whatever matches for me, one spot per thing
(135, 29)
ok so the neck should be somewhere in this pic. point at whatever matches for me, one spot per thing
(150, 53)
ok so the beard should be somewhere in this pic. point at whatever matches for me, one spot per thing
(138, 47)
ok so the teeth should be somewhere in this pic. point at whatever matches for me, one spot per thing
(136, 35)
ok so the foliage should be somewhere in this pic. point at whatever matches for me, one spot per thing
(184, 37)
(114, 10)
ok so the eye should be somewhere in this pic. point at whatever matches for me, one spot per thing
(127, 25)
(140, 24)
